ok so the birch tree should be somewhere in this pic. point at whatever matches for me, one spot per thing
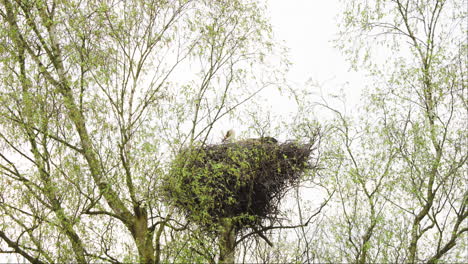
(95, 97)
(399, 169)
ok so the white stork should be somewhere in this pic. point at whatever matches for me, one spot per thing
(230, 135)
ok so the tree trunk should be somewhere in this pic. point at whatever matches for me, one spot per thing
(143, 236)
(227, 242)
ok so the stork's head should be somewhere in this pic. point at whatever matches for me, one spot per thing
(230, 135)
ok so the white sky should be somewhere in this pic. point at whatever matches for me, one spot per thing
(307, 28)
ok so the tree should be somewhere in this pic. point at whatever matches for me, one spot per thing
(95, 97)
(399, 170)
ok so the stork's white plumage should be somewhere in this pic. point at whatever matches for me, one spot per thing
(230, 135)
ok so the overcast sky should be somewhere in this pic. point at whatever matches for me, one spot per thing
(307, 28)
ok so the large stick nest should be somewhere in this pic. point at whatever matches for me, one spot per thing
(243, 180)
